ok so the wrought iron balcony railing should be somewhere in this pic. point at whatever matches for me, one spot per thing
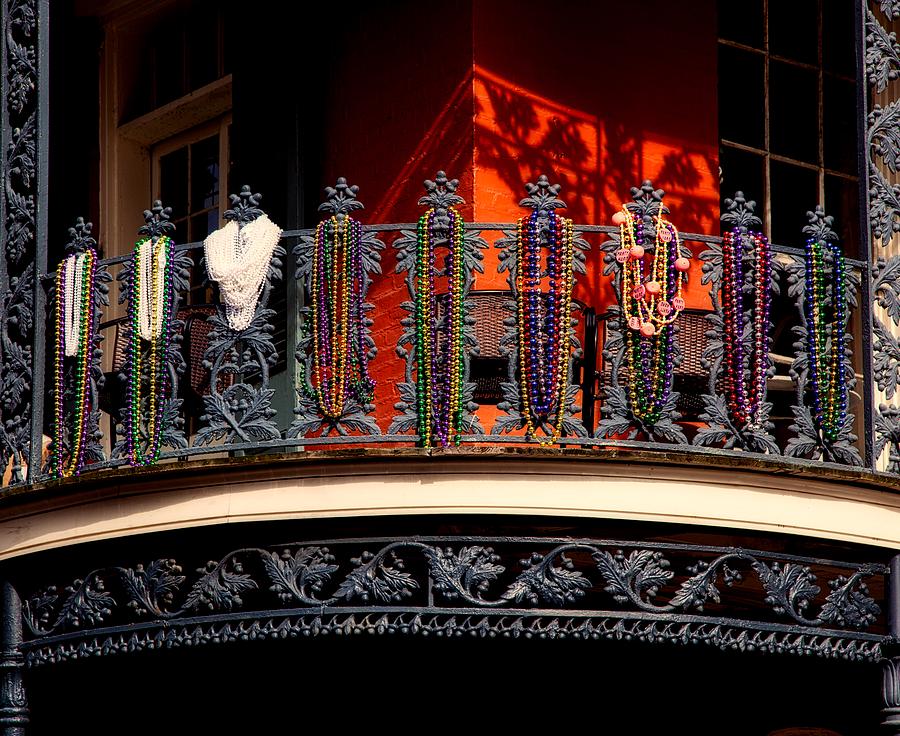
(227, 401)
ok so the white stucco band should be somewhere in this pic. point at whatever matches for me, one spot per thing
(696, 495)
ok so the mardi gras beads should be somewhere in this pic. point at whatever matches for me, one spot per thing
(543, 320)
(74, 329)
(827, 373)
(439, 362)
(150, 317)
(650, 306)
(744, 400)
(340, 355)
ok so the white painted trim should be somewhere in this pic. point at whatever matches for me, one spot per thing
(725, 499)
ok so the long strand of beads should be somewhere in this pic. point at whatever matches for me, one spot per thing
(649, 308)
(439, 362)
(75, 306)
(827, 373)
(744, 401)
(543, 334)
(150, 309)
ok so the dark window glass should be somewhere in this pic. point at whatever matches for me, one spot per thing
(839, 107)
(842, 203)
(742, 22)
(793, 29)
(203, 224)
(794, 191)
(839, 37)
(742, 105)
(742, 171)
(205, 174)
(169, 76)
(793, 112)
(173, 170)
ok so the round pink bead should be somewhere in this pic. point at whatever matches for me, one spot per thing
(619, 218)
(682, 264)
(634, 323)
(648, 330)
(637, 251)
(652, 287)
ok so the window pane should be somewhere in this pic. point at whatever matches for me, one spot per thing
(842, 202)
(203, 224)
(181, 231)
(793, 112)
(794, 29)
(745, 172)
(839, 110)
(741, 96)
(205, 174)
(742, 22)
(173, 181)
(794, 192)
(839, 37)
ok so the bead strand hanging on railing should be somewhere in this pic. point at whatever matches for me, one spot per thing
(822, 368)
(736, 410)
(540, 342)
(438, 337)
(244, 260)
(641, 335)
(150, 283)
(335, 265)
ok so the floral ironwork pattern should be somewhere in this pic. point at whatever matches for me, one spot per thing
(589, 577)
(441, 195)
(341, 200)
(240, 409)
(157, 223)
(17, 264)
(619, 419)
(543, 197)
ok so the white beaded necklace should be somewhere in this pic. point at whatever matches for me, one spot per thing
(74, 295)
(238, 259)
(150, 304)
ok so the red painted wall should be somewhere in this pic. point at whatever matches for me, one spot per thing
(598, 96)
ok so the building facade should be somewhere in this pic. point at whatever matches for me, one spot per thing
(234, 525)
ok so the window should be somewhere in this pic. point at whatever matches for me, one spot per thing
(787, 112)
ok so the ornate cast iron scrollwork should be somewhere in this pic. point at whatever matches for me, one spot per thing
(721, 429)
(543, 197)
(595, 580)
(341, 200)
(441, 195)
(238, 407)
(619, 419)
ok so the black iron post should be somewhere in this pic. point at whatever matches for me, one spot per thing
(890, 687)
(13, 703)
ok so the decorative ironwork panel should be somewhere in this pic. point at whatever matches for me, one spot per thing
(882, 64)
(580, 589)
(356, 416)
(157, 224)
(543, 198)
(24, 65)
(721, 429)
(810, 440)
(238, 407)
(619, 416)
(80, 239)
(441, 196)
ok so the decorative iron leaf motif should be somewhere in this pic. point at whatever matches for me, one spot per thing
(887, 435)
(301, 575)
(542, 580)
(87, 604)
(356, 417)
(883, 133)
(377, 577)
(849, 603)
(441, 195)
(882, 54)
(636, 578)
(700, 588)
(789, 588)
(466, 575)
(544, 197)
(884, 205)
(220, 586)
(152, 590)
